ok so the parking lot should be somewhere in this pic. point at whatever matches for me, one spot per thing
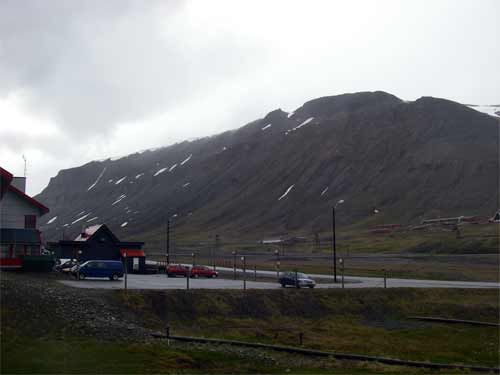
(160, 281)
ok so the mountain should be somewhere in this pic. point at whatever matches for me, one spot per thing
(426, 158)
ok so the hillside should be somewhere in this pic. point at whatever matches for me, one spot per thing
(283, 172)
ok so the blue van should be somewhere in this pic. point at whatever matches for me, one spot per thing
(112, 269)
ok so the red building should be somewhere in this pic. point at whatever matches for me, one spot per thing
(19, 217)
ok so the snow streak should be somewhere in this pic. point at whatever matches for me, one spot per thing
(160, 171)
(187, 159)
(324, 191)
(81, 218)
(120, 180)
(172, 167)
(124, 224)
(96, 181)
(52, 220)
(119, 199)
(94, 218)
(267, 126)
(286, 192)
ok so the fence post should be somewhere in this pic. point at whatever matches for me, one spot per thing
(188, 275)
(385, 278)
(255, 273)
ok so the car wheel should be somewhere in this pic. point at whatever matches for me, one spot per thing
(283, 285)
(311, 286)
(81, 276)
(114, 277)
(214, 276)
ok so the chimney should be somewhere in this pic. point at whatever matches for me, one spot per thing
(19, 183)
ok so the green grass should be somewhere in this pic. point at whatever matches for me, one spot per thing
(372, 322)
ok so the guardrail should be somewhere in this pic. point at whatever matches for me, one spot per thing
(345, 356)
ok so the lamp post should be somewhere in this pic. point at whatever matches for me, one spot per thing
(193, 255)
(334, 245)
(234, 265)
(243, 259)
(277, 253)
(342, 270)
(168, 247)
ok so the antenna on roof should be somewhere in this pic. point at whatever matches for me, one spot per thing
(24, 158)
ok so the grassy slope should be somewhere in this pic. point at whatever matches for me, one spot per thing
(360, 321)
(35, 339)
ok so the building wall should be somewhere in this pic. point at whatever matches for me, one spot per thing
(12, 211)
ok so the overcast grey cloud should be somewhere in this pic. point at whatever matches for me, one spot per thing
(111, 77)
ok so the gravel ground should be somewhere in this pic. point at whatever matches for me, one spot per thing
(37, 304)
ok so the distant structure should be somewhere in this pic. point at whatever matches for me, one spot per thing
(20, 238)
(97, 242)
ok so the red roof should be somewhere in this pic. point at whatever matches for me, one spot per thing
(5, 179)
(132, 252)
(28, 199)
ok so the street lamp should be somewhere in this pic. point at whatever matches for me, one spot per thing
(193, 255)
(342, 270)
(243, 259)
(334, 249)
(277, 253)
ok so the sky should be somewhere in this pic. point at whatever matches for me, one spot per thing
(86, 80)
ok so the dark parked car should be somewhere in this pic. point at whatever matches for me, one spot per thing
(65, 265)
(296, 279)
(174, 270)
(202, 271)
(112, 269)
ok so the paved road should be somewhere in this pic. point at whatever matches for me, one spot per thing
(160, 281)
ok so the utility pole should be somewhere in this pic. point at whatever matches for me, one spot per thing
(277, 253)
(334, 247)
(168, 247)
(243, 259)
(234, 265)
(334, 244)
(216, 251)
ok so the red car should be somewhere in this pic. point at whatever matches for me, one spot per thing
(174, 270)
(201, 271)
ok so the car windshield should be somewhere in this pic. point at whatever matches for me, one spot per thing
(301, 275)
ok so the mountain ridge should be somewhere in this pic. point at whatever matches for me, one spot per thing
(371, 149)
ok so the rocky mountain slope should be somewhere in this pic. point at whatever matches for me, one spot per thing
(283, 172)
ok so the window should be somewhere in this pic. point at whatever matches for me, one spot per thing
(30, 221)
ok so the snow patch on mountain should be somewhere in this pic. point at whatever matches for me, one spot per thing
(172, 167)
(120, 180)
(303, 123)
(52, 220)
(286, 192)
(187, 159)
(96, 181)
(121, 197)
(488, 109)
(79, 219)
(267, 126)
(159, 172)
(124, 224)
